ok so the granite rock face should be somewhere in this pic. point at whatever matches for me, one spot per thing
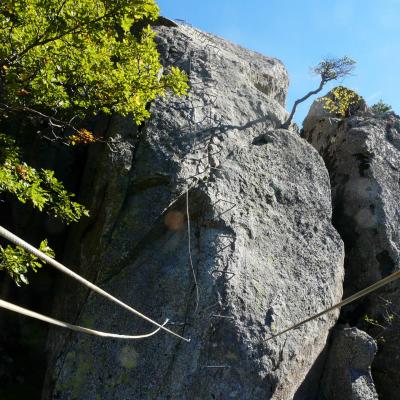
(362, 154)
(263, 252)
(347, 374)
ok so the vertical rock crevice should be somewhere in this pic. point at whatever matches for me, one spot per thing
(362, 154)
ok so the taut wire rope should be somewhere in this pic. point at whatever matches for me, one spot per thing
(26, 246)
(377, 285)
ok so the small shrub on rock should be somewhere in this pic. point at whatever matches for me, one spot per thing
(341, 101)
(380, 107)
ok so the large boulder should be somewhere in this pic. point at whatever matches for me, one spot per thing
(347, 373)
(362, 154)
(262, 253)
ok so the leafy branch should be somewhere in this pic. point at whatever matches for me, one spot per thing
(60, 62)
(17, 262)
(39, 187)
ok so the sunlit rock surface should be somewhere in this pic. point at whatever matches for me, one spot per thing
(264, 252)
(362, 154)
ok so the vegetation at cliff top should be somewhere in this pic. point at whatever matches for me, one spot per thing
(340, 100)
(328, 70)
(61, 61)
(380, 107)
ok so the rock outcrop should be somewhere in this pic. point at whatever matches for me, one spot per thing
(262, 252)
(347, 374)
(362, 154)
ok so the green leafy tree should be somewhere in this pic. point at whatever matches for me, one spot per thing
(329, 69)
(60, 61)
(380, 107)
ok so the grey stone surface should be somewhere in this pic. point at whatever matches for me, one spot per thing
(362, 154)
(265, 254)
(347, 374)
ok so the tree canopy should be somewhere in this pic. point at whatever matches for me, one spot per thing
(60, 61)
(81, 57)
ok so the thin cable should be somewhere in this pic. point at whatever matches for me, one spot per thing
(354, 297)
(76, 328)
(26, 246)
(177, 198)
(190, 253)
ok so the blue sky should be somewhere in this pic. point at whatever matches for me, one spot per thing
(301, 32)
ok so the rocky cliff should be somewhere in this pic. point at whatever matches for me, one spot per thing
(362, 154)
(211, 216)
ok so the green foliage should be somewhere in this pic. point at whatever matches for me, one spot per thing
(82, 136)
(17, 262)
(380, 107)
(81, 56)
(372, 321)
(39, 187)
(386, 317)
(60, 61)
(339, 101)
